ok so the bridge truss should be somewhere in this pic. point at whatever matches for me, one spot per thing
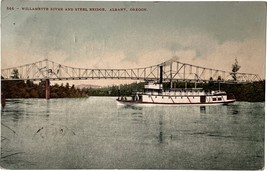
(173, 71)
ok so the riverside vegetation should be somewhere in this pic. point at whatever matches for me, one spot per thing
(252, 92)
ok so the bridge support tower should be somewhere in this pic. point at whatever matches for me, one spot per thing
(47, 89)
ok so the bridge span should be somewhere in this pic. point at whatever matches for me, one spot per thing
(173, 71)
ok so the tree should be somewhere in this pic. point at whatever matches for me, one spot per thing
(67, 85)
(235, 68)
(72, 87)
(15, 74)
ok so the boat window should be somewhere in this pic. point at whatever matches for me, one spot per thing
(213, 99)
(155, 96)
(219, 98)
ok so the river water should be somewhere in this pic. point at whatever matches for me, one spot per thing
(95, 133)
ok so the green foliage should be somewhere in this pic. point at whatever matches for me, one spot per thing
(20, 89)
(235, 68)
(116, 90)
(15, 74)
(253, 92)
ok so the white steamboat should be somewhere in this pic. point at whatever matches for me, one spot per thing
(154, 94)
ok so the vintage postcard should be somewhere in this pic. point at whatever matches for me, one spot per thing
(132, 85)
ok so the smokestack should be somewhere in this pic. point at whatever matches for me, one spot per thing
(160, 74)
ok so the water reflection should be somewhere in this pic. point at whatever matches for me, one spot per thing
(130, 107)
(17, 109)
(15, 115)
(131, 113)
(202, 109)
(138, 115)
(160, 129)
(233, 110)
(48, 109)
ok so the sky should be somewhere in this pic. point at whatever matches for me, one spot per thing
(208, 34)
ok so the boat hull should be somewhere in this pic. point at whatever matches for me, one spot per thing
(139, 103)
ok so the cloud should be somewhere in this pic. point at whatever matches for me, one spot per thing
(250, 54)
(210, 35)
(198, 49)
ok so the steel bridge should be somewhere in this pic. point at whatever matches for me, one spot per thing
(173, 71)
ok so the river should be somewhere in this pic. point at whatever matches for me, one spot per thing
(95, 133)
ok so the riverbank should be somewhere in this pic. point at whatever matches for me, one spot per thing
(251, 92)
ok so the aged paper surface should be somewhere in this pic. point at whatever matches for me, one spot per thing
(132, 85)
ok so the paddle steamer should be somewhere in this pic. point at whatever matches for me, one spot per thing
(154, 94)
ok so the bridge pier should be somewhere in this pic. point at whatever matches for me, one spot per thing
(47, 89)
